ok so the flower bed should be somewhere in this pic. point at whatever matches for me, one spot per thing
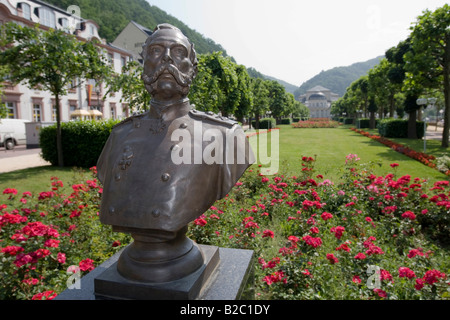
(364, 238)
(316, 123)
(419, 156)
(48, 240)
(255, 133)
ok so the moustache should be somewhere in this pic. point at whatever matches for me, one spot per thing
(181, 78)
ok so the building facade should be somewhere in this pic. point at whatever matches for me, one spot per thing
(132, 37)
(85, 97)
(318, 100)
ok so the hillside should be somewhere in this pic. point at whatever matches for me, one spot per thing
(256, 74)
(113, 15)
(339, 78)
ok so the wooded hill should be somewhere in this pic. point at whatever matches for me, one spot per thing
(112, 16)
(339, 78)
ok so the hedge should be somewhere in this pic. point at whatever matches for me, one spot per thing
(82, 142)
(286, 121)
(265, 123)
(398, 128)
(365, 123)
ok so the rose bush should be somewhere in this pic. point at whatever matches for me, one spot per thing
(47, 237)
(316, 123)
(366, 237)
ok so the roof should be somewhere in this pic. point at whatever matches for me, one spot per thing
(318, 88)
(142, 28)
(317, 96)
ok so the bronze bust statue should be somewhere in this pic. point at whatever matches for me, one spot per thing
(162, 169)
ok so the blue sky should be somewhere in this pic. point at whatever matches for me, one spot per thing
(293, 40)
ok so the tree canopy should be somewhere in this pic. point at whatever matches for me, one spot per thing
(49, 60)
(413, 69)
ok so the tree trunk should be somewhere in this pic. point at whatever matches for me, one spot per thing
(412, 127)
(257, 120)
(391, 106)
(58, 132)
(372, 120)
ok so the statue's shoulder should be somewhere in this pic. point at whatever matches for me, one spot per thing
(128, 120)
(213, 117)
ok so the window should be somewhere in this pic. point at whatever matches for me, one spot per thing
(113, 113)
(64, 22)
(47, 17)
(26, 11)
(92, 30)
(72, 108)
(111, 59)
(37, 113)
(54, 113)
(11, 110)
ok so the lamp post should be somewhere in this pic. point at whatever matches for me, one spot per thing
(422, 102)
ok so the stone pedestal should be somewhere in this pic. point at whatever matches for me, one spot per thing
(225, 276)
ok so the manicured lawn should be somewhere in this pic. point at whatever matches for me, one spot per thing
(38, 179)
(331, 146)
(433, 147)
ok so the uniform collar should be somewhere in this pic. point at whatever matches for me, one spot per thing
(169, 112)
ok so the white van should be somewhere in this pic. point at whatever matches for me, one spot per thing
(12, 133)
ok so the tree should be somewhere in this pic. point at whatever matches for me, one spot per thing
(277, 98)
(223, 80)
(260, 91)
(245, 93)
(429, 61)
(49, 59)
(129, 82)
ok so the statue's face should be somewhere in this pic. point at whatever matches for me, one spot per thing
(168, 69)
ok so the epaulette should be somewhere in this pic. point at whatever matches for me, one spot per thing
(130, 118)
(211, 116)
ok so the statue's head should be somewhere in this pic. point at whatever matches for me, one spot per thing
(170, 63)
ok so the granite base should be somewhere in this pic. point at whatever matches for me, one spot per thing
(228, 280)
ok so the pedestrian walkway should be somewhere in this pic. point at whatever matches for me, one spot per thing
(434, 133)
(20, 158)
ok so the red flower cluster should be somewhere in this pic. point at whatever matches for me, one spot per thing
(419, 156)
(316, 123)
(255, 133)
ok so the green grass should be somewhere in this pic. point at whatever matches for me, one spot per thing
(331, 146)
(38, 179)
(433, 147)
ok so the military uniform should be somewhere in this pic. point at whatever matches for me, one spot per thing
(144, 188)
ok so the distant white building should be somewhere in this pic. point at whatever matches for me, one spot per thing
(318, 100)
(85, 101)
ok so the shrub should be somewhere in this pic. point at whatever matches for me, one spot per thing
(398, 128)
(316, 123)
(365, 123)
(82, 142)
(348, 120)
(45, 237)
(286, 121)
(362, 238)
(265, 123)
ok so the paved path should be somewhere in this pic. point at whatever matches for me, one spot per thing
(20, 158)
